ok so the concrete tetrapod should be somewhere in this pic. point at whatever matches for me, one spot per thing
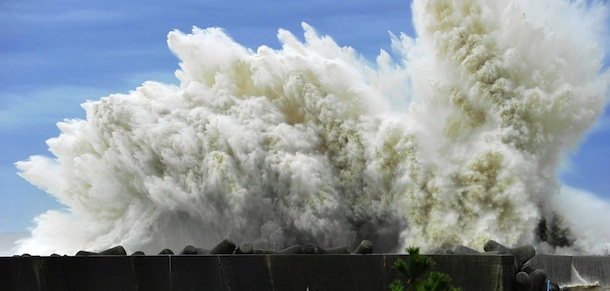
(365, 247)
(538, 278)
(312, 249)
(293, 250)
(523, 282)
(464, 250)
(114, 251)
(166, 252)
(522, 254)
(492, 245)
(189, 250)
(226, 246)
(244, 248)
(527, 278)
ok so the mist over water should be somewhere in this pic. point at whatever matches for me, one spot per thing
(455, 142)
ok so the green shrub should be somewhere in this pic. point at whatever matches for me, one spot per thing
(415, 270)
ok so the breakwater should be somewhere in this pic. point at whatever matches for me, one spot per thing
(241, 272)
(580, 270)
(230, 266)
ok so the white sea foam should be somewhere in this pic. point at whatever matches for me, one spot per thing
(456, 143)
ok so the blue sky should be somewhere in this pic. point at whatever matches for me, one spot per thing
(55, 55)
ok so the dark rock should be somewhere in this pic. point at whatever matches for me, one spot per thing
(226, 246)
(138, 253)
(365, 247)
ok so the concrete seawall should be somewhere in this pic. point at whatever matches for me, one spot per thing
(241, 272)
(575, 269)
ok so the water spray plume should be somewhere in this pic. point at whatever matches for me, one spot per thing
(457, 143)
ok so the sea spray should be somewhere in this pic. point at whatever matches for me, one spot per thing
(457, 143)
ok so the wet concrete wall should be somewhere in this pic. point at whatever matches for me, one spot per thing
(574, 269)
(241, 272)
